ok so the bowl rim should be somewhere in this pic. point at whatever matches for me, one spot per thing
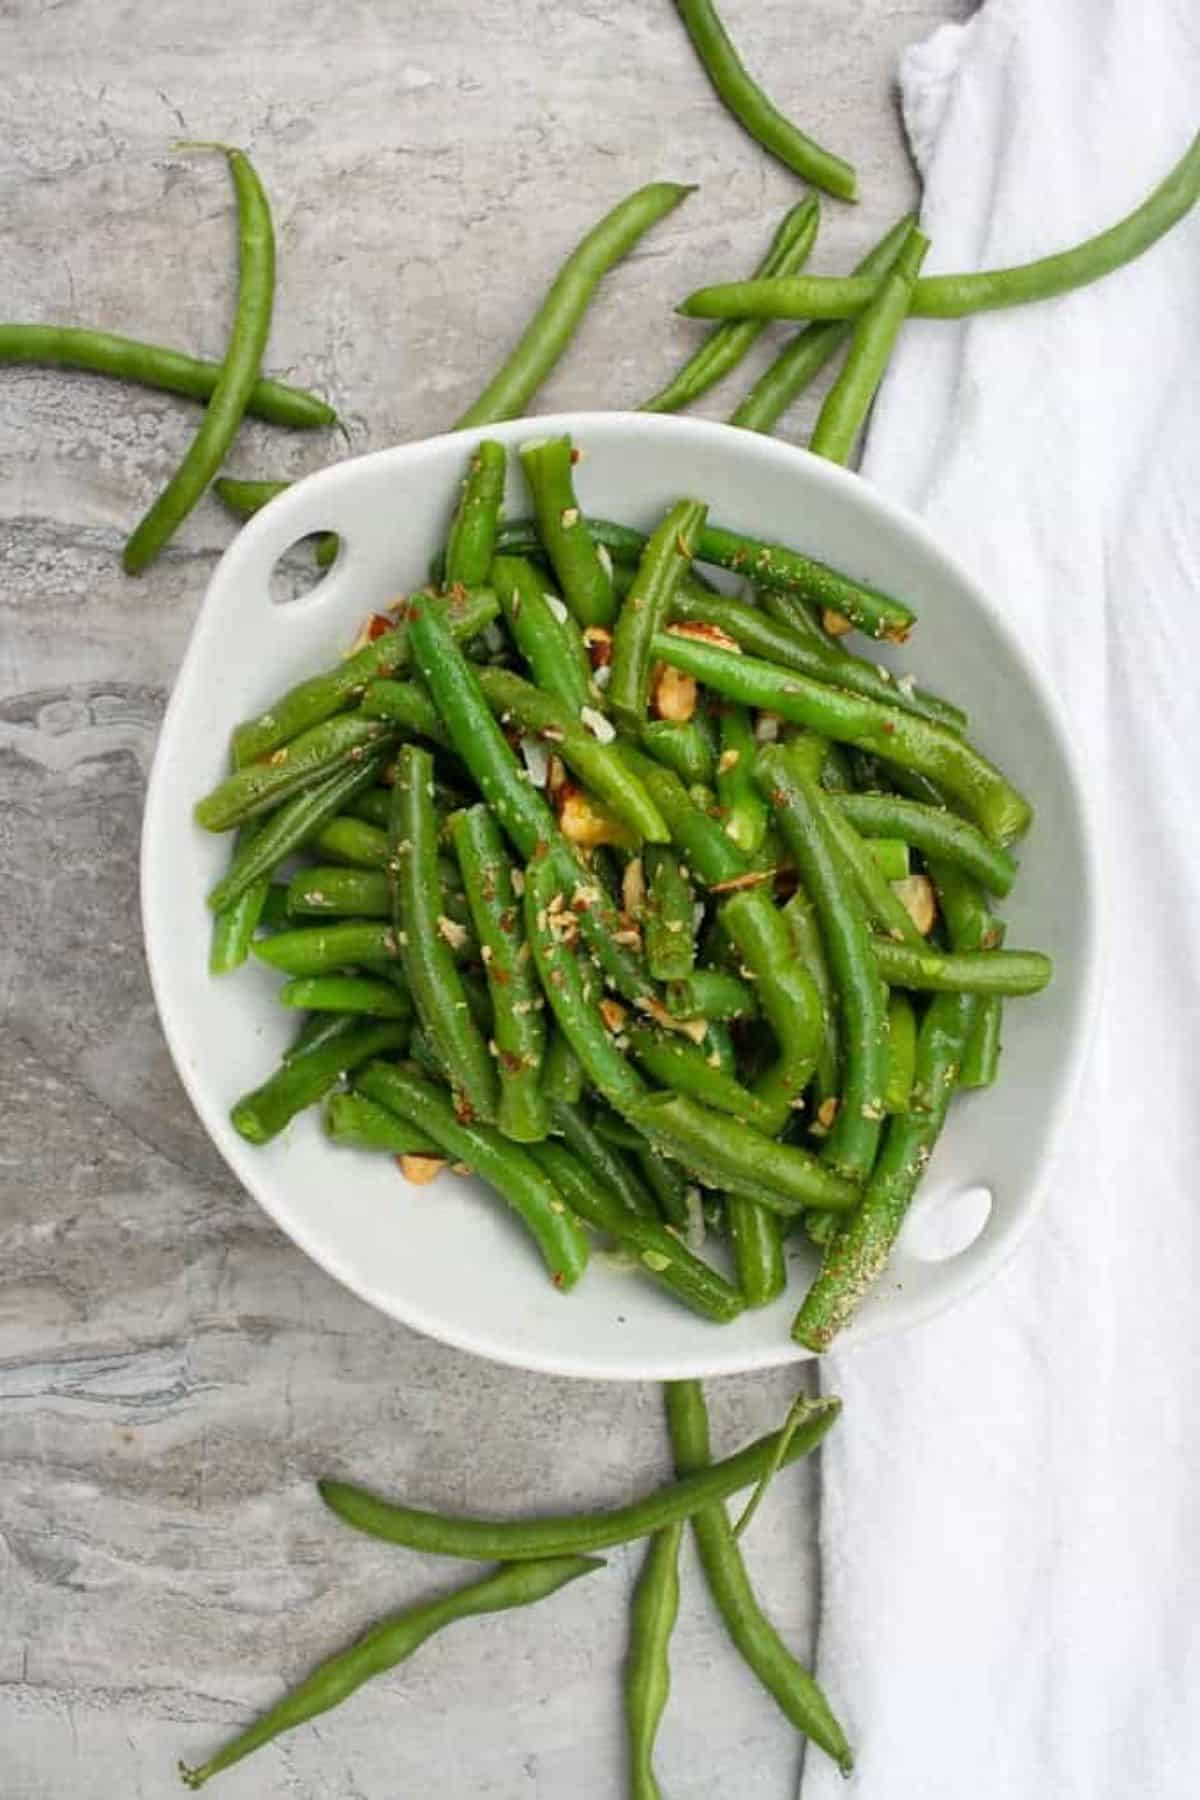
(906, 1312)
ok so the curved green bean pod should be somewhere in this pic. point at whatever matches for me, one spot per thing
(933, 831)
(727, 1154)
(523, 1540)
(711, 994)
(725, 346)
(552, 646)
(424, 936)
(667, 920)
(683, 747)
(646, 609)
(586, 582)
(518, 1027)
(346, 994)
(684, 1068)
(849, 719)
(756, 1235)
(786, 1680)
(901, 1053)
(754, 112)
(506, 1166)
(389, 1643)
(1006, 972)
(658, 1250)
(849, 399)
(359, 1124)
(327, 949)
(240, 369)
(647, 1684)
(245, 498)
(548, 333)
(745, 814)
(306, 760)
(472, 539)
(787, 998)
(295, 823)
(801, 360)
(262, 1114)
(602, 1159)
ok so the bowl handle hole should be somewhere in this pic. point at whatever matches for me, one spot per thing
(942, 1226)
(300, 570)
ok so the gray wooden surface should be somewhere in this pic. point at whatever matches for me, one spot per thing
(173, 1373)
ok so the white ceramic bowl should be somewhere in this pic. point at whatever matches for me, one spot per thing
(447, 1258)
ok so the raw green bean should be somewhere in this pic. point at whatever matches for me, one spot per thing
(647, 608)
(801, 360)
(550, 644)
(658, 1250)
(518, 1027)
(149, 365)
(775, 566)
(505, 1165)
(550, 330)
(389, 1643)
(562, 1077)
(901, 1053)
(756, 1235)
(933, 831)
(727, 1154)
(787, 998)
(876, 330)
(847, 718)
(352, 841)
(667, 919)
(293, 825)
(245, 498)
(472, 540)
(234, 926)
(891, 857)
(862, 1015)
(684, 1068)
(522, 1540)
(602, 1159)
(752, 109)
(683, 747)
(305, 761)
(725, 346)
(240, 370)
(359, 1124)
(405, 705)
(711, 994)
(346, 994)
(322, 695)
(349, 893)
(742, 806)
(585, 579)
(327, 949)
(786, 1680)
(968, 972)
(647, 1671)
(425, 936)
(261, 1115)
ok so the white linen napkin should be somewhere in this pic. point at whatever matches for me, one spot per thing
(1011, 1504)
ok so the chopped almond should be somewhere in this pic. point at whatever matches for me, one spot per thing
(633, 887)
(598, 641)
(421, 1169)
(586, 824)
(835, 623)
(674, 694)
(706, 634)
(613, 1013)
(915, 893)
(752, 878)
(451, 932)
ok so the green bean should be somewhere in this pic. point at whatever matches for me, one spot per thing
(752, 109)
(884, 909)
(551, 645)
(585, 580)
(727, 1154)
(322, 695)
(425, 936)
(348, 893)
(787, 998)
(523, 1540)
(933, 831)
(615, 1131)
(374, 807)
(800, 810)
(878, 614)
(666, 1182)
(970, 972)
(955, 296)
(891, 857)
(346, 994)
(756, 1235)
(328, 949)
(307, 760)
(261, 1115)
(562, 1077)
(647, 1684)
(595, 762)
(981, 1057)
(683, 747)
(658, 1250)
(711, 994)
(472, 540)
(318, 1030)
(786, 1680)
(294, 824)
(352, 841)
(603, 1160)
(712, 856)
(876, 330)
(664, 562)
(149, 365)
(901, 1053)
(389, 1643)
(801, 920)
(801, 360)
(818, 656)
(359, 1124)
(240, 370)
(504, 1165)
(684, 1068)
(847, 718)
(744, 811)
(667, 921)
(245, 498)
(407, 706)
(725, 346)
(518, 1028)
(234, 926)
(550, 330)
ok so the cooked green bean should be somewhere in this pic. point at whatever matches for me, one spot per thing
(359, 1124)
(234, 926)
(969, 972)
(472, 540)
(981, 1057)
(901, 1053)
(884, 908)
(849, 399)
(407, 706)
(933, 831)
(262, 1114)
(373, 806)
(727, 1154)
(318, 1030)
(240, 370)
(544, 632)
(602, 1159)
(787, 998)
(291, 826)
(742, 806)
(667, 1182)
(756, 1235)
(710, 855)
(711, 994)
(752, 109)
(682, 747)
(548, 333)
(305, 761)
(647, 1671)
(245, 498)
(504, 1165)
(585, 580)
(801, 360)
(349, 893)
(801, 919)
(891, 857)
(346, 994)
(647, 609)
(667, 920)
(847, 718)
(684, 1068)
(328, 949)
(351, 841)
(562, 1077)
(523, 1540)
(786, 1680)
(389, 1643)
(776, 566)
(725, 346)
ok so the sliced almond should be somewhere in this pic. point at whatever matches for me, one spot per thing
(915, 894)
(835, 623)
(421, 1169)
(613, 1013)
(633, 887)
